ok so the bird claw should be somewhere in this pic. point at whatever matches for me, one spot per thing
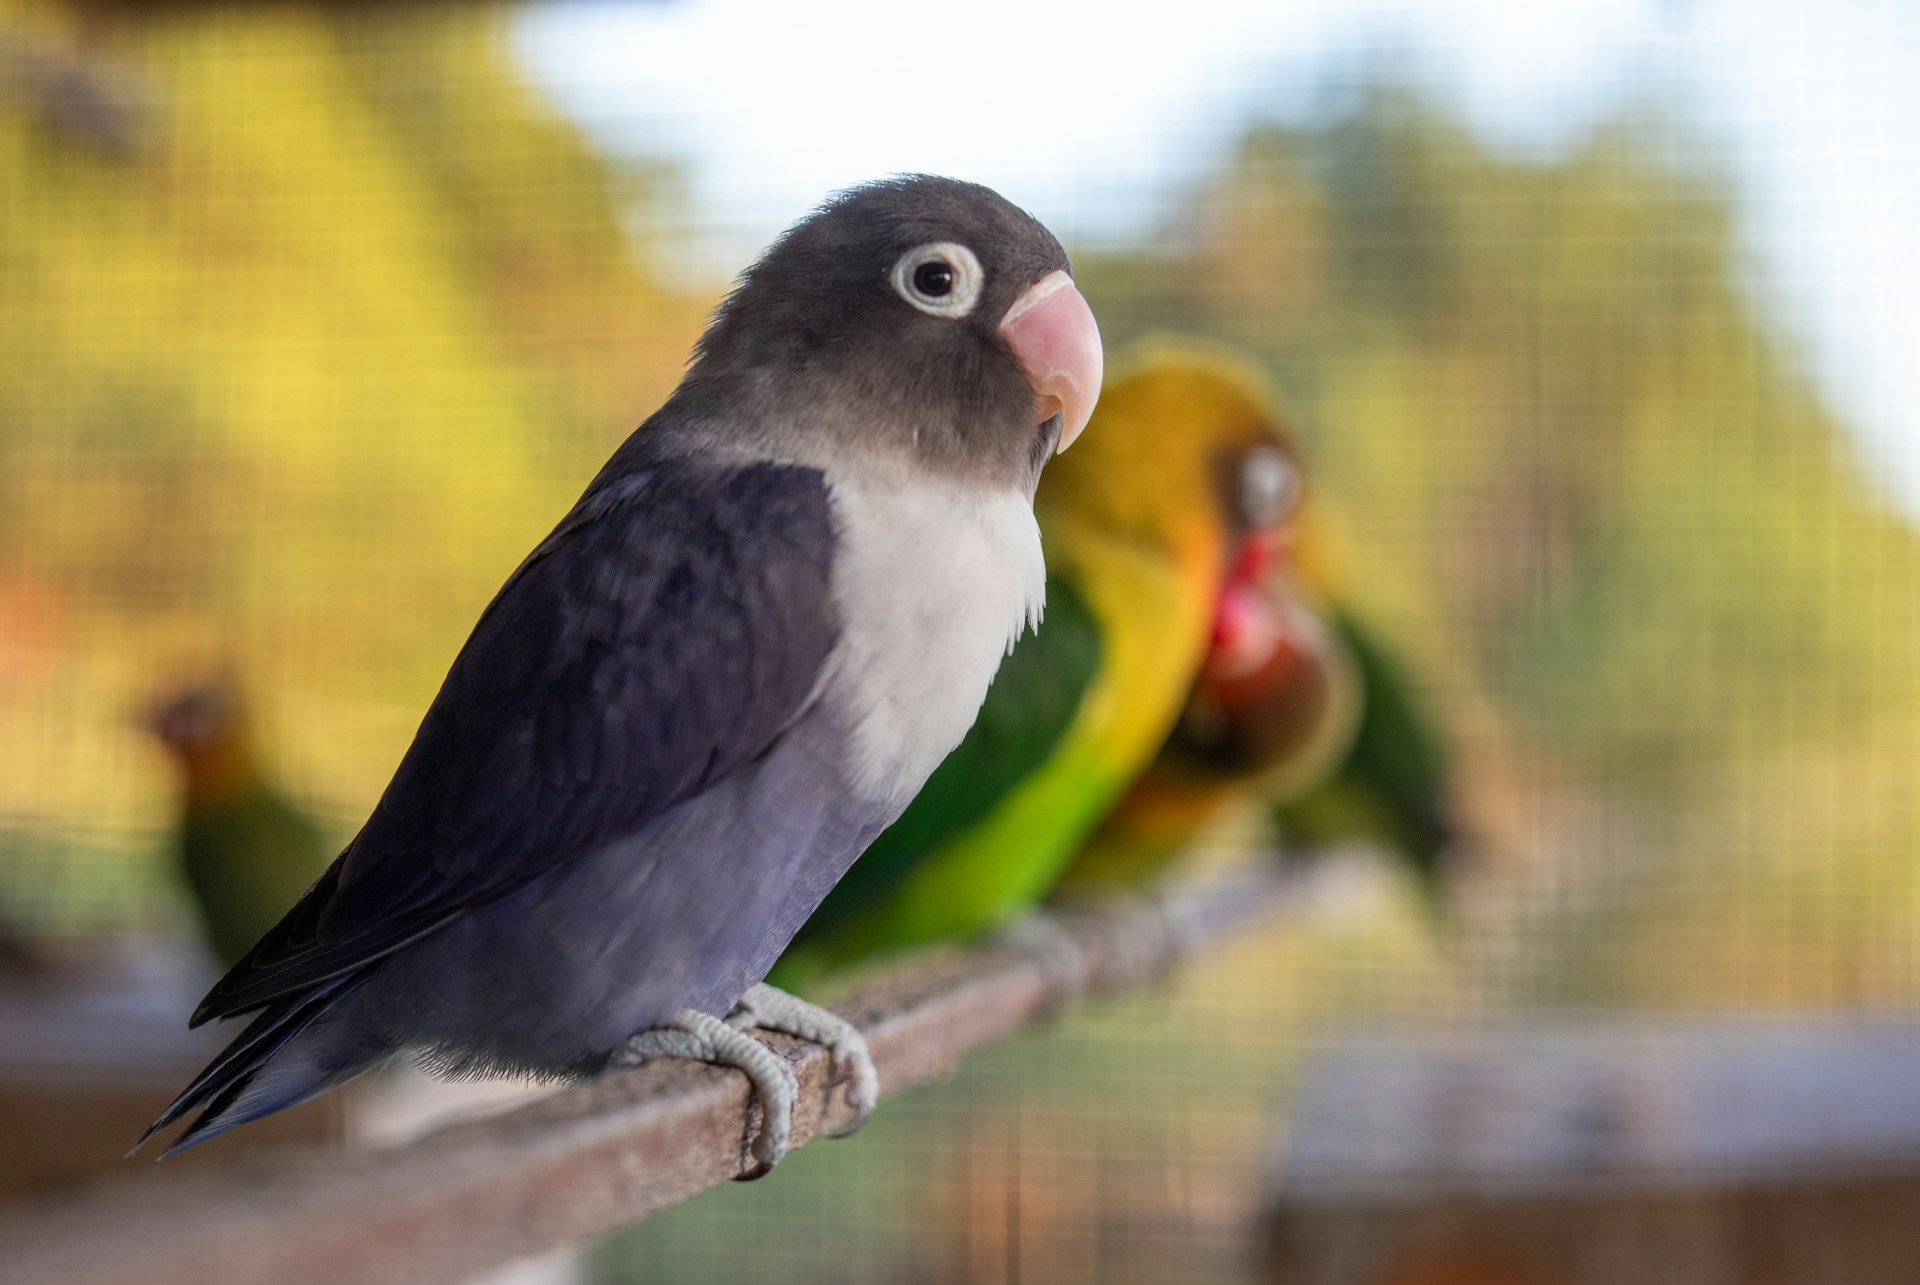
(705, 1038)
(773, 1009)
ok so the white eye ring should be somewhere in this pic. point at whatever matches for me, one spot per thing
(1270, 486)
(967, 279)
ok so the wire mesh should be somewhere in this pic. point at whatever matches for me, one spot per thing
(315, 318)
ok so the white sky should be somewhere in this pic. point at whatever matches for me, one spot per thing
(1089, 113)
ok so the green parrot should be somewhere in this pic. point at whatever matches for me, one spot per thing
(246, 851)
(1148, 533)
(1301, 707)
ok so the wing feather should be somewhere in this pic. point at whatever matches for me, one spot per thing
(664, 635)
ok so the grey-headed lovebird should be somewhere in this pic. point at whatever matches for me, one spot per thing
(730, 666)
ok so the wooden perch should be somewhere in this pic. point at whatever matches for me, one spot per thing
(574, 1166)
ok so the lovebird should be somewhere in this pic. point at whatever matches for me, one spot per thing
(1152, 529)
(731, 665)
(1299, 706)
(245, 850)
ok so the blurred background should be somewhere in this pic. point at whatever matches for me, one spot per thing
(1596, 318)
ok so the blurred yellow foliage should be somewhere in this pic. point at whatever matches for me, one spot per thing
(296, 377)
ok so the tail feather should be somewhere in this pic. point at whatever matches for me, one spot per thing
(239, 1085)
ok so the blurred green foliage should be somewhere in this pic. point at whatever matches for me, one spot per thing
(1570, 450)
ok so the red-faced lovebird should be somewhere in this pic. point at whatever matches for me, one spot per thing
(730, 666)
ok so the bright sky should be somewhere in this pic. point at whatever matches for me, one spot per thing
(1090, 113)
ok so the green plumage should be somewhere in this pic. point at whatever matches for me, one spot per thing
(247, 860)
(1028, 709)
(244, 851)
(1392, 787)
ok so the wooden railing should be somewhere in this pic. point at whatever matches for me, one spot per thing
(578, 1164)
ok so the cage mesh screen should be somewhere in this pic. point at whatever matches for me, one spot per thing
(316, 317)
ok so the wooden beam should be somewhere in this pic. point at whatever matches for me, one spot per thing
(575, 1166)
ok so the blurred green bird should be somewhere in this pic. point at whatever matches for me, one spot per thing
(246, 851)
(1151, 527)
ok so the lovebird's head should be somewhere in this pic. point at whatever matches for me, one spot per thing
(1189, 451)
(204, 724)
(917, 316)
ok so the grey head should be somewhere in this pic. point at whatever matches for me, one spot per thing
(878, 325)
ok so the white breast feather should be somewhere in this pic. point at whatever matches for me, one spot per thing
(934, 585)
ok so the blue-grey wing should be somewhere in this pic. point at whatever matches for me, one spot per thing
(666, 633)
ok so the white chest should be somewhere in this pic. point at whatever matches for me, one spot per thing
(934, 584)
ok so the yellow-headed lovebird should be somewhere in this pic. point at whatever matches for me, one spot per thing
(246, 851)
(1146, 527)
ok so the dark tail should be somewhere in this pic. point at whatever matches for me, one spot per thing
(246, 1081)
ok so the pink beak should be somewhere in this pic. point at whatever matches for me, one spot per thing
(1053, 333)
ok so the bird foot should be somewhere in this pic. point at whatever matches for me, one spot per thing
(1058, 951)
(705, 1038)
(772, 1009)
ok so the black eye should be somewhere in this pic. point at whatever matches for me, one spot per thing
(934, 279)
